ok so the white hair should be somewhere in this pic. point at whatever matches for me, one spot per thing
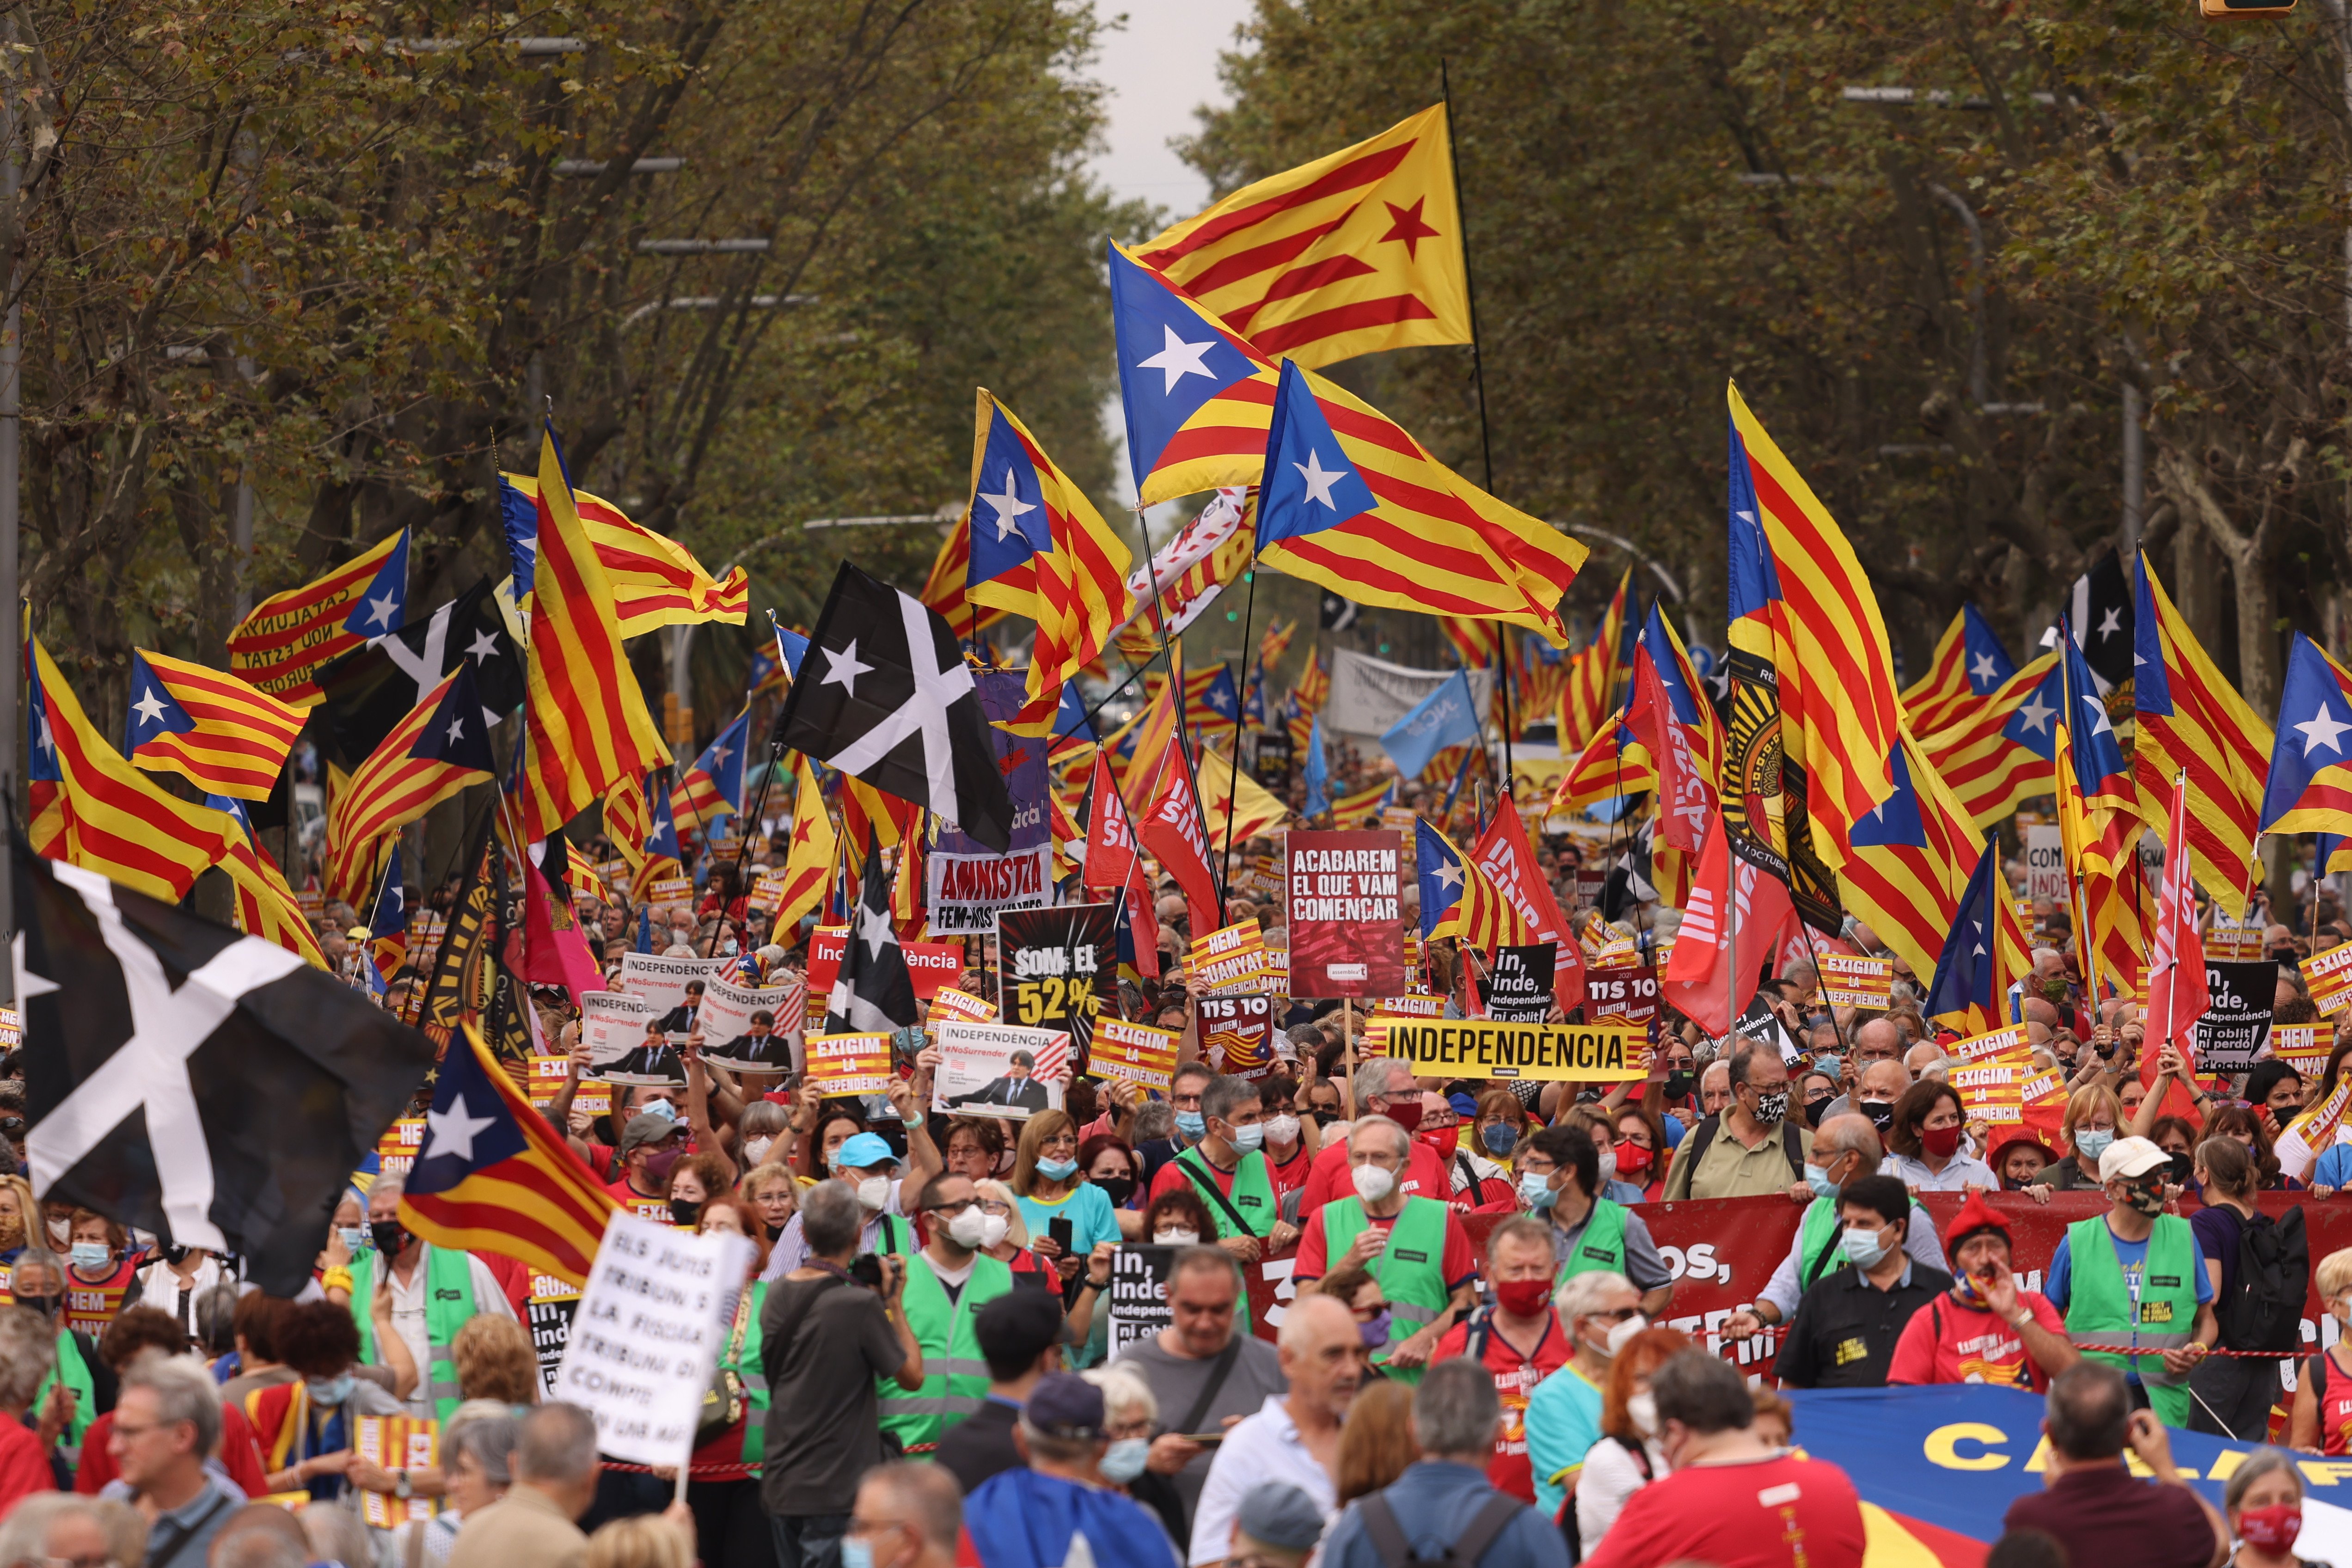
(1125, 1396)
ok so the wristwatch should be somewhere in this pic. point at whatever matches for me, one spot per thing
(400, 1485)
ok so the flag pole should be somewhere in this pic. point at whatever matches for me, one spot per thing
(1232, 784)
(1477, 358)
(2171, 981)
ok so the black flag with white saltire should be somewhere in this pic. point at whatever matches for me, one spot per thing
(178, 1077)
(884, 696)
(873, 993)
(1337, 614)
(2099, 608)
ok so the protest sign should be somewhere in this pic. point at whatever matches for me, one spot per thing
(2239, 1020)
(2045, 864)
(670, 986)
(930, 965)
(2303, 1046)
(2299, 1147)
(1229, 961)
(1237, 1034)
(1135, 1052)
(954, 1004)
(395, 1443)
(2232, 941)
(767, 894)
(646, 1335)
(1376, 1028)
(849, 1063)
(396, 1149)
(1850, 980)
(612, 1025)
(1518, 987)
(1994, 1095)
(968, 885)
(1763, 1025)
(1056, 967)
(548, 1075)
(2329, 976)
(1271, 766)
(1563, 1052)
(666, 893)
(1623, 994)
(547, 1315)
(1278, 973)
(743, 1027)
(1000, 1069)
(1346, 926)
(1138, 1293)
(2007, 1042)
(12, 1028)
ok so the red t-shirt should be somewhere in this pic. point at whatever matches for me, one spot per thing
(24, 1466)
(1947, 1342)
(240, 1454)
(1291, 1175)
(1782, 1512)
(1457, 1264)
(1425, 1177)
(638, 1203)
(1516, 1377)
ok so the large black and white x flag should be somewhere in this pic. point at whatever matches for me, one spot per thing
(207, 1086)
(872, 991)
(370, 690)
(884, 696)
(2099, 608)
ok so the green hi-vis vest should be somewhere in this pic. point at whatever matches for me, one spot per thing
(1818, 1251)
(1252, 1199)
(1601, 1246)
(76, 1373)
(955, 1374)
(744, 1361)
(448, 1307)
(895, 1236)
(1411, 1267)
(2100, 1311)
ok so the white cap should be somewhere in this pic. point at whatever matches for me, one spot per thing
(2131, 1157)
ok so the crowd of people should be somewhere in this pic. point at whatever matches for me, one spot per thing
(1472, 1359)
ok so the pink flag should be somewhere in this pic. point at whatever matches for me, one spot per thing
(2177, 995)
(554, 953)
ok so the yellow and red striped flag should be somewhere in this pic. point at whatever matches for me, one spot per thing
(1274, 642)
(222, 735)
(2193, 721)
(1598, 671)
(809, 854)
(437, 749)
(1611, 765)
(1314, 686)
(1226, 793)
(288, 635)
(1478, 644)
(656, 581)
(1359, 251)
(1476, 913)
(265, 905)
(2103, 880)
(587, 718)
(1363, 809)
(1911, 862)
(943, 589)
(1969, 666)
(1998, 755)
(93, 809)
(1794, 572)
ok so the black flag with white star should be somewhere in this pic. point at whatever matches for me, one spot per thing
(2099, 608)
(884, 696)
(1337, 614)
(180, 1077)
(370, 690)
(873, 993)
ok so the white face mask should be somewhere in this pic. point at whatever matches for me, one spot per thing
(755, 1149)
(969, 1228)
(1176, 1238)
(1642, 1409)
(993, 1228)
(1621, 1333)
(1373, 1182)
(874, 1193)
(1282, 1129)
(1608, 1167)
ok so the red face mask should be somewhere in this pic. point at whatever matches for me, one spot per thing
(1405, 1113)
(1941, 1142)
(1632, 1158)
(1444, 1140)
(2271, 1529)
(1523, 1297)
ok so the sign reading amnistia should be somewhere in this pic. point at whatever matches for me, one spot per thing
(1565, 1053)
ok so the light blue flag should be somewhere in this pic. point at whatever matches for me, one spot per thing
(1319, 771)
(1447, 716)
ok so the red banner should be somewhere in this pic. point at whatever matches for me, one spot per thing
(930, 965)
(1347, 936)
(1721, 1252)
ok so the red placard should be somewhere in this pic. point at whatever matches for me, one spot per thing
(931, 964)
(1340, 895)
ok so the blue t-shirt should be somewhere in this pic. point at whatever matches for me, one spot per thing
(2334, 1167)
(1088, 1211)
(1563, 1423)
(2058, 1285)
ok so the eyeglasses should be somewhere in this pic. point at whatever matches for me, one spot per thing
(1622, 1314)
(955, 1206)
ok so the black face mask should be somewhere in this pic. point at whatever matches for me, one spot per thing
(45, 1305)
(1118, 1189)
(2184, 1166)
(1323, 1117)
(174, 1253)
(1678, 1085)
(775, 1232)
(684, 1211)
(389, 1236)
(1881, 1113)
(1816, 1104)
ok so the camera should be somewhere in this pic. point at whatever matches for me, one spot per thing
(866, 1269)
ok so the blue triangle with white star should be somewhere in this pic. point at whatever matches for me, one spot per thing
(1309, 484)
(457, 733)
(1009, 521)
(383, 608)
(153, 709)
(1170, 359)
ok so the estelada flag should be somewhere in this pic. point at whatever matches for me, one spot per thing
(656, 581)
(224, 735)
(2192, 722)
(289, 635)
(1357, 251)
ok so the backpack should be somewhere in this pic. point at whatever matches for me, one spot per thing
(1388, 1537)
(1703, 1135)
(2262, 1309)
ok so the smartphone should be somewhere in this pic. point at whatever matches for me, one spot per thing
(1206, 1439)
(1059, 1228)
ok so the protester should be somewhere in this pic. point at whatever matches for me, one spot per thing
(1559, 1185)
(138, 1332)
(435, 1292)
(1753, 1148)
(1442, 1505)
(907, 1516)
(42, 1530)
(167, 1423)
(1414, 1247)
(1035, 1515)
(2263, 1504)
(2132, 1278)
(1047, 1180)
(2093, 1117)
(2233, 1393)
(1276, 1526)
(1987, 1328)
(1295, 1436)
(947, 1284)
(1925, 1143)
(1602, 1312)
(1226, 1167)
(554, 1465)
(1205, 1370)
(477, 1449)
(1005, 1237)
(1731, 1500)
(1020, 1337)
(28, 1349)
(1518, 1338)
(1131, 1416)
(1376, 1440)
(1383, 1087)
(2091, 1504)
(1625, 1457)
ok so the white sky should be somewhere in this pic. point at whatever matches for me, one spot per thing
(1161, 66)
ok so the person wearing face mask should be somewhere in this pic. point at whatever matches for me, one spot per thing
(1846, 1327)
(79, 1385)
(1559, 1185)
(17, 1212)
(2093, 1120)
(1384, 1086)
(1753, 1148)
(864, 1164)
(1048, 1185)
(1875, 1041)
(1924, 1143)
(1020, 1337)
(2263, 1503)
(1226, 1168)
(908, 1515)
(653, 1142)
(1602, 1312)
(1625, 1457)
(2135, 1279)
(1026, 1517)
(1291, 1141)
(177, 1280)
(1414, 1247)
(1731, 1498)
(947, 1285)
(1989, 1327)
(1131, 1416)
(1479, 1177)
(100, 1272)
(305, 1427)
(1845, 1147)
(1518, 1338)
(435, 1292)
(1205, 1371)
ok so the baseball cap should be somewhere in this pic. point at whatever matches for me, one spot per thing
(646, 1128)
(863, 1151)
(1064, 1405)
(2131, 1157)
(1018, 1327)
(1277, 1514)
